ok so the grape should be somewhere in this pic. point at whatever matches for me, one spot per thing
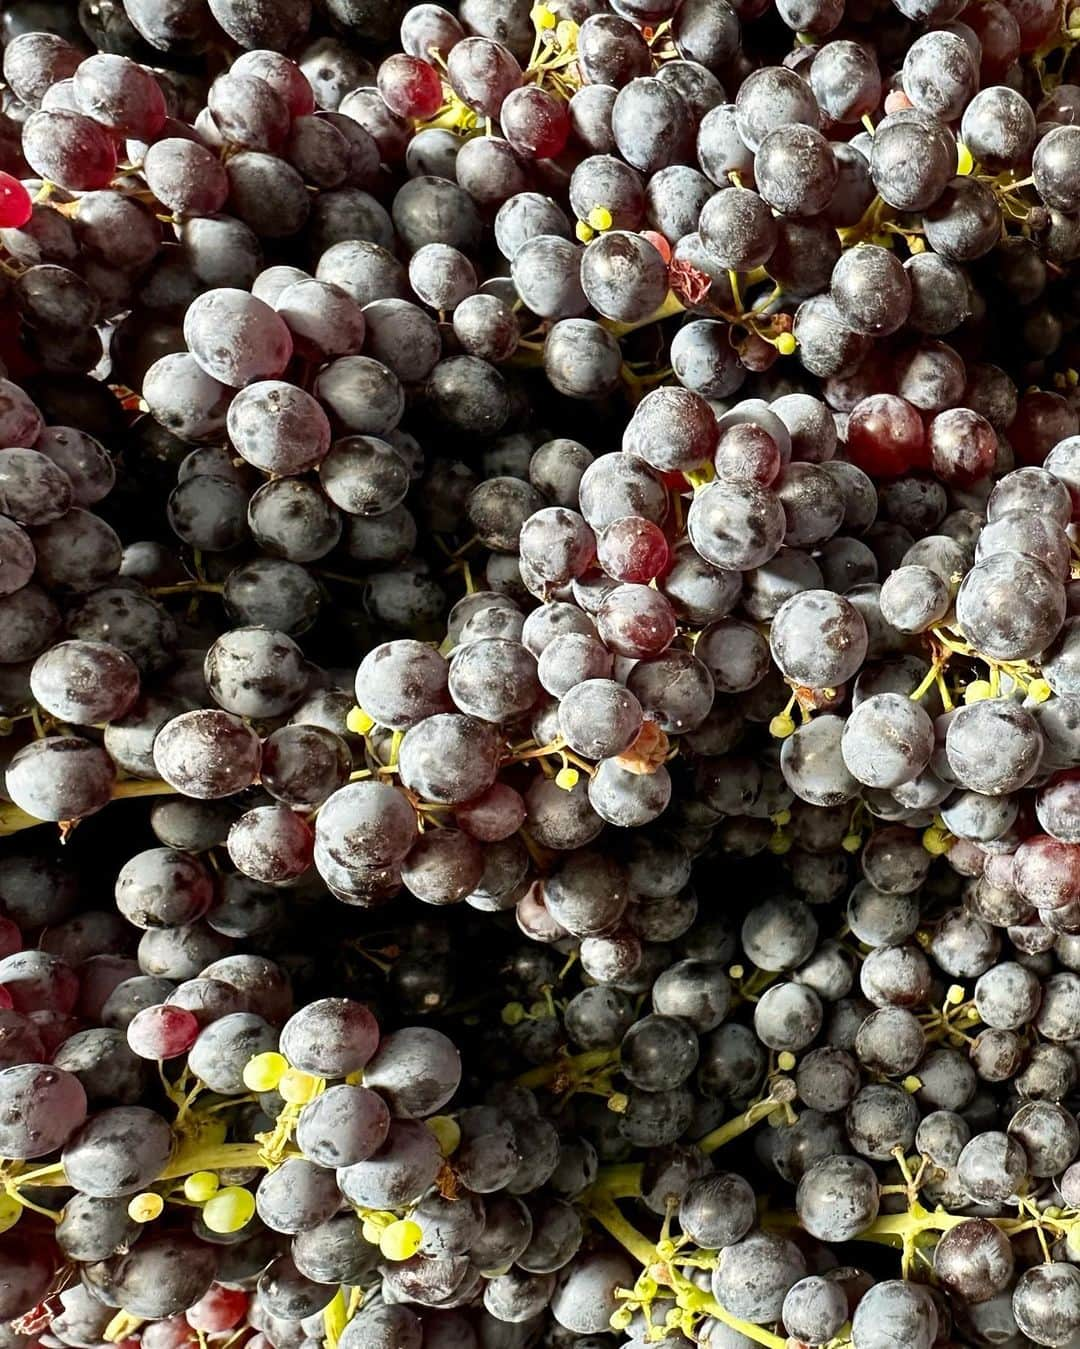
(117, 1152)
(334, 1252)
(912, 159)
(350, 830)
(271, 844)
(161, 1276)
(871, 290)
(795, 170)
(940, 74)
(60, 778)
(880, 1118)
(814, 1309)
(894, 1311)
(356, 406)
(84, 682)
(384, 1327)
(788, 1017)
(773, 97)
(278, 428)
(657, 1053)
(297, 1197)
(1028, 631)
(69, 149)
(585, 1296)
(616, 486)
(755, 1275)
(344, 1126)
(43, 1107)
(17, 558)
(599, 719)
(717, 1211)
(400, 1170)
(581, 359)
(163, 888)
(837, 1198)
(207, 754)
(93, 1229)
(236, 338)
(416, 1069)
(737, 229)
(818, 639)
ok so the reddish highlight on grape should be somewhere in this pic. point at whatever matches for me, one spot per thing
(16, 207)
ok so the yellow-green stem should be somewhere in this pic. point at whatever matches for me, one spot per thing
(739, 1125)
(570, 1068)
(187, 1160)
(606, 1212)
(669, 309)
(12, 819)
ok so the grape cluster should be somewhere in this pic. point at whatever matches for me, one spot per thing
(539, 674)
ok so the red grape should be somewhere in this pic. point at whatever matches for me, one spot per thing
(1047, 872)
(632, 549)
(1042, 420)
(16, 207)
(636, 621)
(410, 87)
(659, 243)
(535, 123)
(218, 1309)
(884, 435)
(162, 1031)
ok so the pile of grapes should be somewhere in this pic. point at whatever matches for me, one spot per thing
(539, 674)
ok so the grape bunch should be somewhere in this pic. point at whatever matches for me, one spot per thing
(539, 674)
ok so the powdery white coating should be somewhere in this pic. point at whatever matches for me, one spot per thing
(1010, 607)
(236, 338)
(672, 429)
(887, 740)
(894, 1315)
(207, 754)
(449, 758)
(818, 639)
(42, 1107)
(752, 1277)
(60, 778)
(17, 557)
(736, 525)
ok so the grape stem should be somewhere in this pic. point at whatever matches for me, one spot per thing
(671, 307)
(689, 1298)
(777, 1100)
(568, 1070)
(185, 1162)
(624, 1181)
(190, 587)
(12, 819)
